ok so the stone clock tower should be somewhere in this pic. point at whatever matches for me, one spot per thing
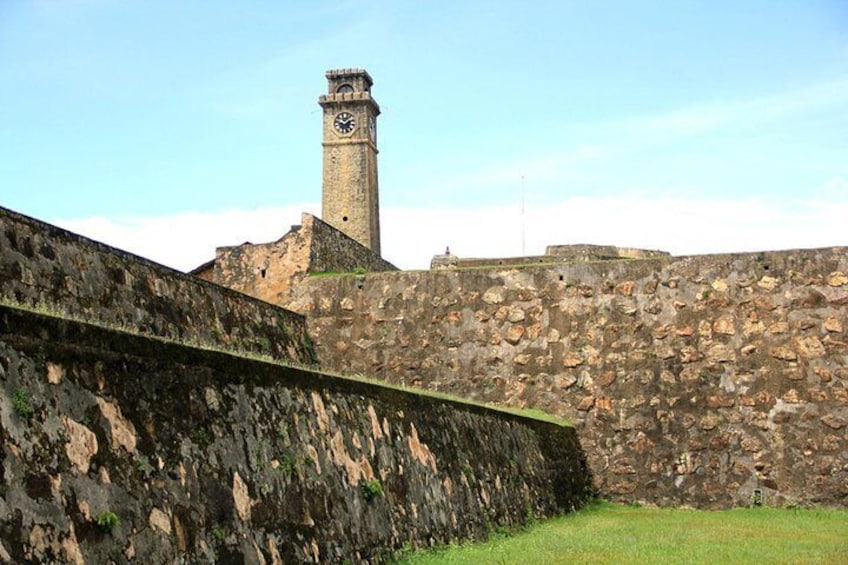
(349, 199)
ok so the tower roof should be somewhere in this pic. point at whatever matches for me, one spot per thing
(349, 73)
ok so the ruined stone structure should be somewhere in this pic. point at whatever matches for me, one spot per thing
(137, 425)
(271, 271)
(350, 199)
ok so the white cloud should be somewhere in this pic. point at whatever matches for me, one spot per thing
(610, 151)
(836, 188)
(708, 117)
(679, 224)
(184, 241)
(546, 168)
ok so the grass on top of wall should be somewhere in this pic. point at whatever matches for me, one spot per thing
(52, 311)
(604, 533)
(533, 413)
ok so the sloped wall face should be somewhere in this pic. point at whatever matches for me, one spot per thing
(116, 448)
(693, 381)
(50, 268)
(332, 250)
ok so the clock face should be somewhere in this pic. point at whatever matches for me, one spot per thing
(372, 127)
(344, 122)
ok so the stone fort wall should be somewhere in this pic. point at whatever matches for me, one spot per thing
(204, 457)
(691, 380)
(46, 267)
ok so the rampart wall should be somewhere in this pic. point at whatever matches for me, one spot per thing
(554, 254)
(46, 267)
(204, 457)
(691, 380)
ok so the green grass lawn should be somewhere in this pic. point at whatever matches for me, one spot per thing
(606, 533)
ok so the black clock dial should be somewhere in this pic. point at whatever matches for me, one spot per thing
(344, 122)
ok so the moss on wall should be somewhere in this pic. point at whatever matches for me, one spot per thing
(120, 447)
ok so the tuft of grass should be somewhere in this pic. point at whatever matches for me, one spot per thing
(21, 403)
(358, 271)
(371, 490)
(107, 521)
(604, 533)
(531, 413)
(287, 466)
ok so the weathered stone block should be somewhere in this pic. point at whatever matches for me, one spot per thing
(837, 278)
(784, 353)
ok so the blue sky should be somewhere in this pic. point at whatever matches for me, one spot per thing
(170, 127)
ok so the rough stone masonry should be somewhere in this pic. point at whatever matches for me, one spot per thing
(691, 380)
(135, 424)
(204, 457)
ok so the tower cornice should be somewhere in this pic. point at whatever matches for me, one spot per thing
(344, 98)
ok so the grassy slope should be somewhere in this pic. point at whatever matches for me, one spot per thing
(604, 533)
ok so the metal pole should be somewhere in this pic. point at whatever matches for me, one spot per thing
(523, 222)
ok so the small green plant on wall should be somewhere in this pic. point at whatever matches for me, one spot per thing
(469, 474)
(287, 465)
(371, 490)
(21, 403)
(107, 521)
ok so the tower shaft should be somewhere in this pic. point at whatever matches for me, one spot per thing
(350, 199)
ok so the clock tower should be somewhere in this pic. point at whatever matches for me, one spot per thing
(349, 200)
